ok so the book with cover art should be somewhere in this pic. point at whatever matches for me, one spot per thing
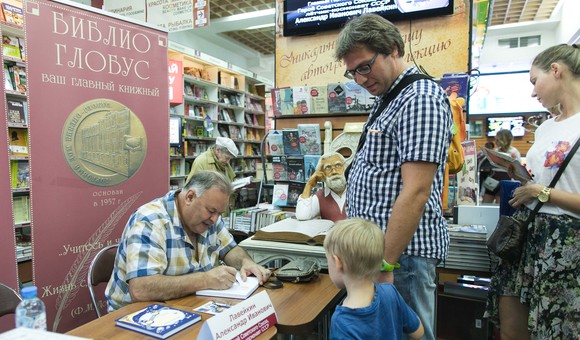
(336, 98)
(18, 139)
(158, 321)
(20, 174)
(286, 101)
(309, 137)
(276, 102)
(356, 98)
(310, 163)
(318, 99)
(239, 290)
(295, 168)
(17, 111)
(279, 171)
(19, 78)
(517, 170)
(12, 14)
(275, 143)
(11, 46)
(301, 97)
(295, 231)
(280, 195)
(294, 191)
(291, 142)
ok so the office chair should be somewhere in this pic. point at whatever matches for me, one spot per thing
(9, 299)
(100, 271)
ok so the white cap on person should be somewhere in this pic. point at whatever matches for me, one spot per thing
(227, 144)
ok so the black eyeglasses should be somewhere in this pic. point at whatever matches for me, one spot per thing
(362, 69)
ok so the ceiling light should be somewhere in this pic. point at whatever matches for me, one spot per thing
(260, 26)
(250, 15)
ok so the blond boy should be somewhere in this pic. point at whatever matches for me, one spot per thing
(354, 251)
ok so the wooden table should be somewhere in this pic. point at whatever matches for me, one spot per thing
(300, 307)
(104, 327)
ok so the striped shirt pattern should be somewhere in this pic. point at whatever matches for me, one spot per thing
(415, 126)
(154, 242)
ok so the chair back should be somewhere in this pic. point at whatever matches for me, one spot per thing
(100, 271)
(9, 299)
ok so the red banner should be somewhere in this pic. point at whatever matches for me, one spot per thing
(175, 70)
(98, 108)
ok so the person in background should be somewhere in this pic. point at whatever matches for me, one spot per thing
(217, 158)
(330, 202)
(172, 246)
(396, 179)
(503, 139)
(354, 253)
(539, 293)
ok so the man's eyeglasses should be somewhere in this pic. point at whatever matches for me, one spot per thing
(336, 167)
(362, 69)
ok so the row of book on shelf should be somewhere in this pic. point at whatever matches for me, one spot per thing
(228, 98)
(249, 220)
(330, 98)
(302, 140)
(223, 114)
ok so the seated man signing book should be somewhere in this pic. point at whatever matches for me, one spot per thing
(172, 246)
(330, 202)
(354, 252)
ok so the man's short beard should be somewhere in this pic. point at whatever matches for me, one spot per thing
(336, 183)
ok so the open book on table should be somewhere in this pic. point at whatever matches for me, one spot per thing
(239, 290)
(501, 160)
(295, 231)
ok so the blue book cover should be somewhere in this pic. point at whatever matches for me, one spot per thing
(291, 142)
(158, 321)
(310, 163)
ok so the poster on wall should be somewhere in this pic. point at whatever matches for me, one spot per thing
(439, 45)
(98, 106)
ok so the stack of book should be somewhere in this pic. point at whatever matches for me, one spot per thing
(467, 248)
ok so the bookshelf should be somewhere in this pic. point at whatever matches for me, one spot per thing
(219, 99)
(15, 103)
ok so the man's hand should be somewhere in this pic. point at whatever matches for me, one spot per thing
(250, 267)
(221, 277)
(317, 176)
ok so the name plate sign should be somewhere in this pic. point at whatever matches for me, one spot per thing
(246, 320)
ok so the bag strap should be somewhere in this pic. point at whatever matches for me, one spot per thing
(386, 100)
(554, 180)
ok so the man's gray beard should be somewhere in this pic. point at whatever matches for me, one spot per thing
(336, 183)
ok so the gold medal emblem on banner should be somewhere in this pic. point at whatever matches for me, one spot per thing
(103, 142)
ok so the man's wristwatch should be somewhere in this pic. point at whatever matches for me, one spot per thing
(544, 195)
(387, 267)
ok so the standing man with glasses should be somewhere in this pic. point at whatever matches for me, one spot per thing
(172, 246)
(217, 158)
(330, 202)
(396, 178)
